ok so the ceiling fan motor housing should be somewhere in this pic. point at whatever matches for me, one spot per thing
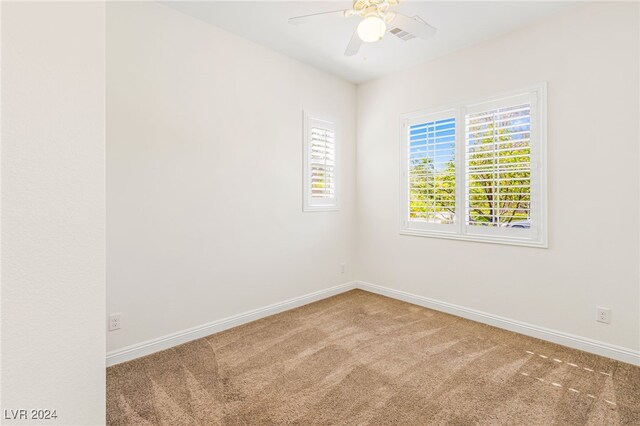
(379, 8)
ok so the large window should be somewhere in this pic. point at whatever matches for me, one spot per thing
(476, 171)
(320, 165)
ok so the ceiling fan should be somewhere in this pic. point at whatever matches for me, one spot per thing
(375, 16)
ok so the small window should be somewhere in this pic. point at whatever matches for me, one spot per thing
(320, 166)
(476, 171)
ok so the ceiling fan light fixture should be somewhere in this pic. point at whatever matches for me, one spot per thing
(371, 29)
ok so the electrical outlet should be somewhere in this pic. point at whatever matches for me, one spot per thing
(603, 315)
(114, 322)
(343, 267)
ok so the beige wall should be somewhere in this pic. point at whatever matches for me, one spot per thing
(204, 175)
(53, 225)
(589, 57)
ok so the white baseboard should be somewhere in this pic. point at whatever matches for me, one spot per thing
(170, 340)
(588, 345)
(165, 342)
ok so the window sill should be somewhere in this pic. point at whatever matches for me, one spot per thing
(475, 238)
(320, 209)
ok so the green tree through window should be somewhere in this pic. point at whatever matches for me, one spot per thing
(498, 166)
(432, 179)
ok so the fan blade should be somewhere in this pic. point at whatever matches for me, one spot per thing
(315, 16)
(354, 45)
(414, 25)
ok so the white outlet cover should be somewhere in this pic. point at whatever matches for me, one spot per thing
(603, 315)
(114, 322)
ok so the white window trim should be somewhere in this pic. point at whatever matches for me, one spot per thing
(458, 231)
(307, 202)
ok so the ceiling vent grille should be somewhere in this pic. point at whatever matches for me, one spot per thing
(401, 34)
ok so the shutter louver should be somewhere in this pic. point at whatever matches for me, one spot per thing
(498, 167)
(432, 172)
(322, 163)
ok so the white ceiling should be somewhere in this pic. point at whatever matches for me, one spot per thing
(322, 43)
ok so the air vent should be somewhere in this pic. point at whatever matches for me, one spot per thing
(402, 34)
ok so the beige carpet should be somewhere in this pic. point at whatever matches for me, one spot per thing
(363, 359)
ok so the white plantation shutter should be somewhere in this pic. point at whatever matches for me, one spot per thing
(320, 165)
(323, 163)
(498, 166)
(503, 180)
(482, 180)
(431, 170)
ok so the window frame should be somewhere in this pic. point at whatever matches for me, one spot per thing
(308, 202)
(536, 236)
